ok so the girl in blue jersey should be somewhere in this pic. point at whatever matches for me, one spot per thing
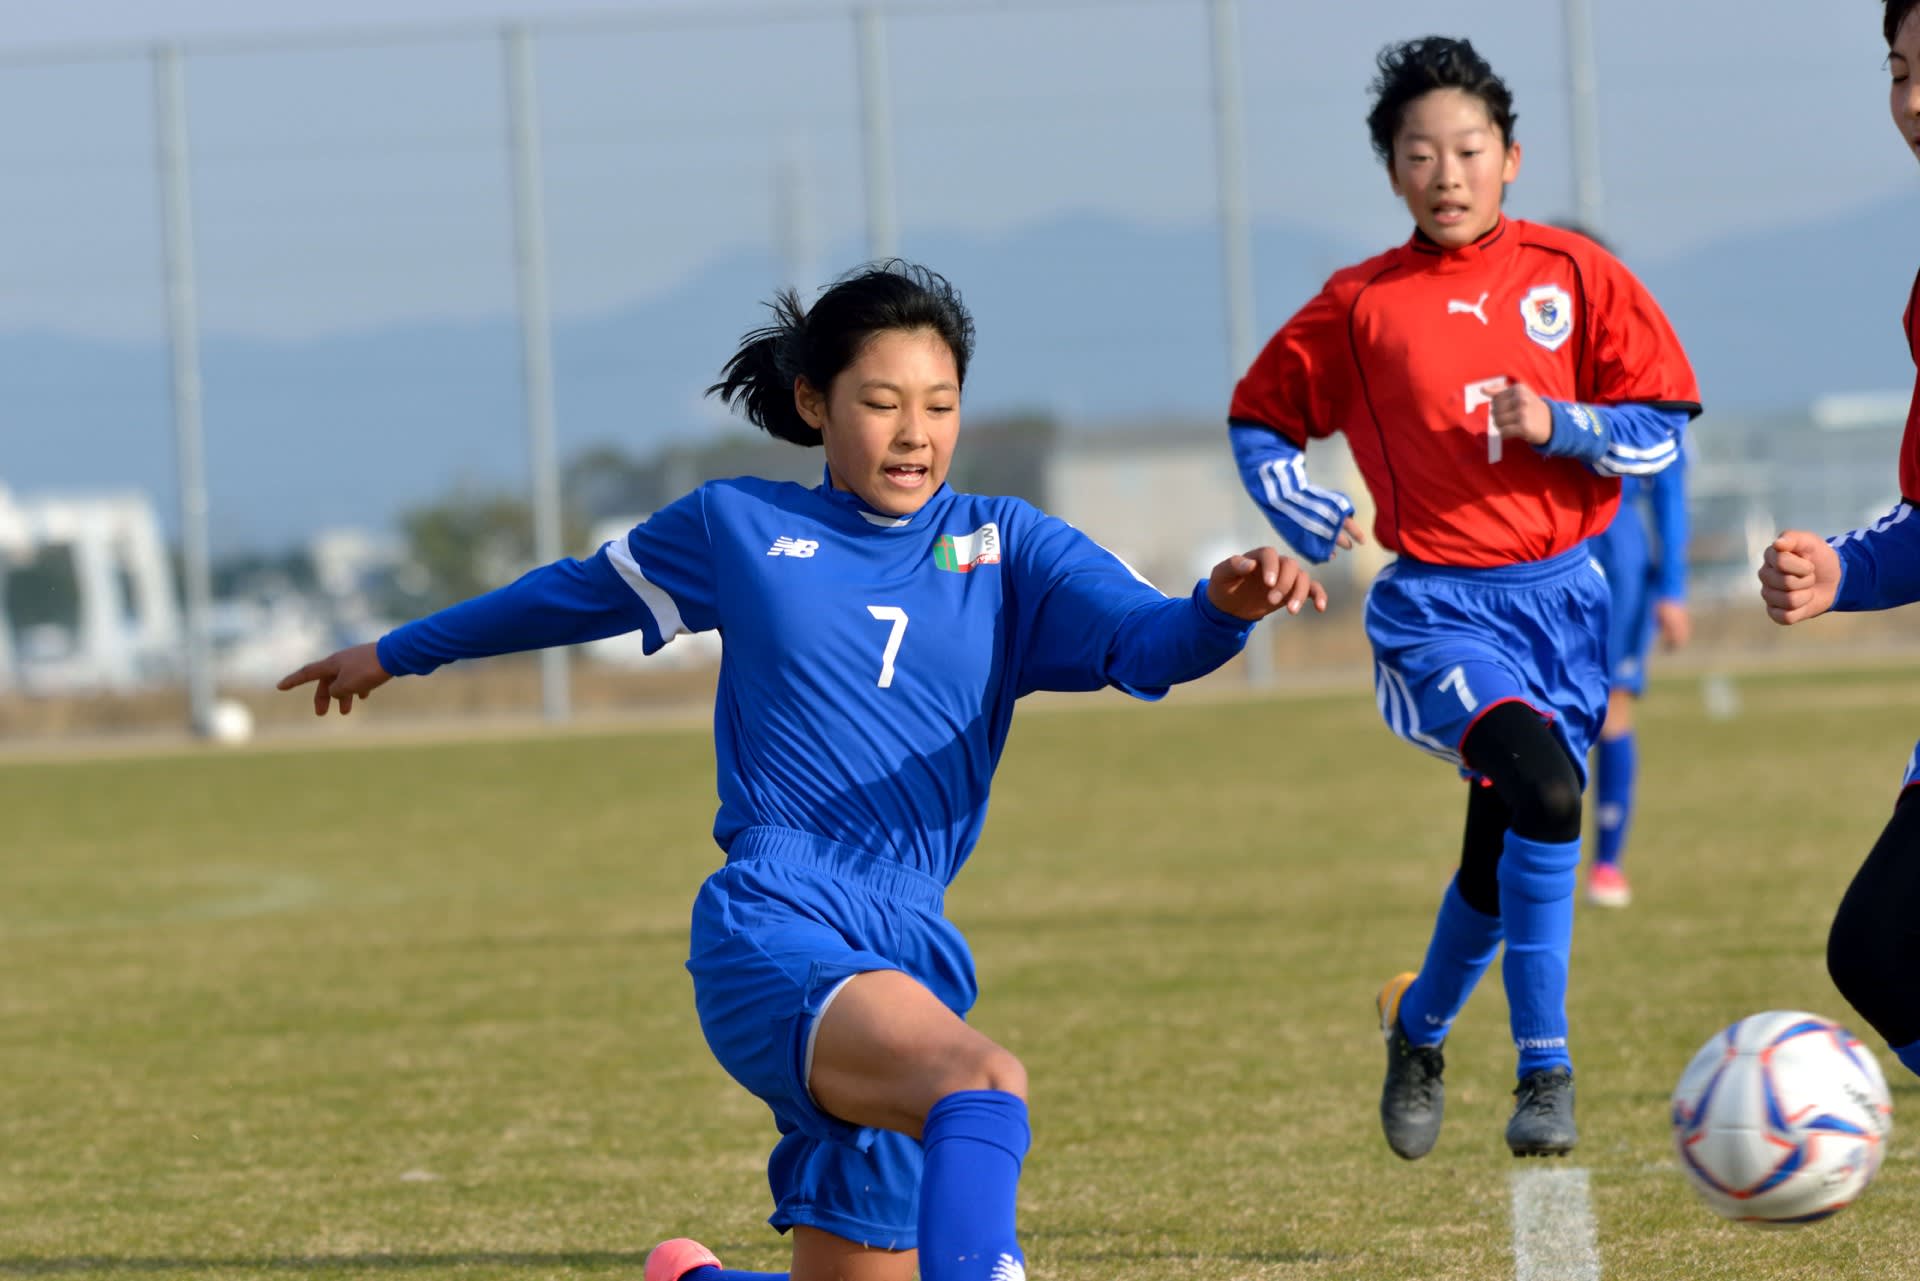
(1644, 554)
(879, 628)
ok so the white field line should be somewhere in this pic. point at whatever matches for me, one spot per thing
(1554, 1237)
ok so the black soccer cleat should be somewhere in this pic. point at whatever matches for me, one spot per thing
(1542, 1123)
(1412, 1099)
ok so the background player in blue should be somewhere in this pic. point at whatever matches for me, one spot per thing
(879, 628)
(1644, 553)
(1494, 379)
(1873, 948)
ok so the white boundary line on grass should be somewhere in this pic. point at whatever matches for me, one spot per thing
(1554, 1236)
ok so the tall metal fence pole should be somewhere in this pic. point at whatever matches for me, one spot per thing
(1584, 113)
(1236, 243)
(536, 334)
(876, 132)
(183, 339)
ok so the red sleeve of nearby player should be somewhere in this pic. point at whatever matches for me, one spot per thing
(1633, 353)
(1907, 320)
(1296, 380)
(1910, 446)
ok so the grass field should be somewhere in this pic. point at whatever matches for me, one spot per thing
(418, 1011)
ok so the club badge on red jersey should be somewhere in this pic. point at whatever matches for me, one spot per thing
(1548, 311)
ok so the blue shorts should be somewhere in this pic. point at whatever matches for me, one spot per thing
(1450, 644)
(776, 932)
(1623, 556)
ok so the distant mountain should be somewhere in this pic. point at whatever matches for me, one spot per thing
(1774, 320)
(1085, 317)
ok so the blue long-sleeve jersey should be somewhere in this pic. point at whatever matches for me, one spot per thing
(871, 663)
(1880, 564)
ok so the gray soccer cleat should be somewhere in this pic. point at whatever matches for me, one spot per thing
(1542, 1123)
(1413, 1098)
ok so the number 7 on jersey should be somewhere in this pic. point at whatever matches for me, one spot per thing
(898, 617)
(1482, 393)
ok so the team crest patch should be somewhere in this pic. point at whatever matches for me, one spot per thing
(958, 553)
(1548, 311)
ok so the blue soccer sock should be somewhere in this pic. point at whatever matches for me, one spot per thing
(1909, 1055)
(1537, 880)
(1463, 946)
(1616, 762)
(974, 1142)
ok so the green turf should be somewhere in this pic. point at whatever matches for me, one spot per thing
(419, 1011)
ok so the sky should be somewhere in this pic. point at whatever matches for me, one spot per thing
(349, 168)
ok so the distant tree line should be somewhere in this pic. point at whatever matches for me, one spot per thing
(471, 540)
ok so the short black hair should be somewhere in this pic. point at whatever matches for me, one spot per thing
(1407, 70)
(1897, 13)
(818, 342)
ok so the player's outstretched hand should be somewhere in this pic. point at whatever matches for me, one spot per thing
(1675, 622)
(1262, 581)
(1520, 414)
(1798, 577)
(341, 677)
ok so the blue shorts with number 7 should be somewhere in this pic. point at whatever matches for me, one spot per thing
(1449, 644)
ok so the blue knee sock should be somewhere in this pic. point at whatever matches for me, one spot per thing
(974, 1142)
(1909, 1055)
(1616, 762)
(1463, 944)
(1536, 904)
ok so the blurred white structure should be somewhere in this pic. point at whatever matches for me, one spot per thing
(13, 548)
(1165, 496)
(128, 630)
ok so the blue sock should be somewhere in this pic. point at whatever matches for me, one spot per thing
(974, 1141)
(1537, 881)
(1616, 761)
(728, 1274)
(1909, 1055)
(1463, 945)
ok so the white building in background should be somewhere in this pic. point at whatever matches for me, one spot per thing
(1166, 498)
(128, 630)
(13, 550)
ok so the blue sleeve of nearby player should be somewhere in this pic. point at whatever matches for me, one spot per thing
(655, 580)
(1274, 471)
(1880, 565)
(1616, 440)
(1090, 622)
(564, 603)
(1667, 494)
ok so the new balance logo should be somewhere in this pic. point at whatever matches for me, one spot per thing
(1459, 307)
(796, 547)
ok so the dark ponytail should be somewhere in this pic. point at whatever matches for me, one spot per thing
(817, 344)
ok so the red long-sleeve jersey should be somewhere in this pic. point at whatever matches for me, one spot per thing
(1402, 352)
(1910, 445)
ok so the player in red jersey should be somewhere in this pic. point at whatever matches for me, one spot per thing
(1494, 380)
(1873, 949)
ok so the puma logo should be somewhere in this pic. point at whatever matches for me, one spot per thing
(1457, 307)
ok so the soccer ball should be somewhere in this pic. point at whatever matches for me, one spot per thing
(1782, 1118)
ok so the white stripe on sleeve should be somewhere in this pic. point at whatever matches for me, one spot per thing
(665, 613)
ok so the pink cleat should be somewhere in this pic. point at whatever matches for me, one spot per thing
(1607, 886)
(671, 1260)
